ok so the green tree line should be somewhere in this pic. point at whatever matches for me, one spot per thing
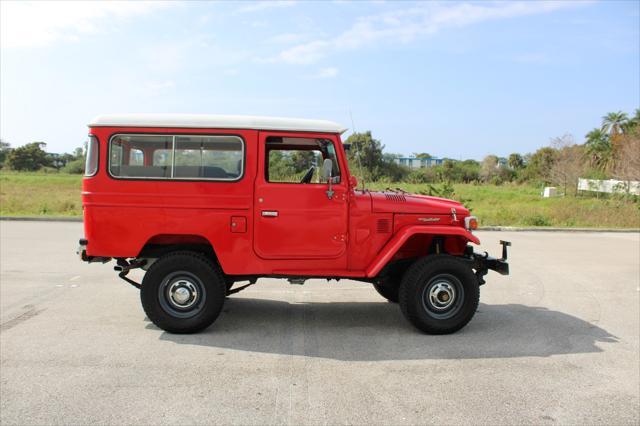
(33, 157)
(611, 150)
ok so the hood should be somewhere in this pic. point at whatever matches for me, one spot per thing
(396, 202)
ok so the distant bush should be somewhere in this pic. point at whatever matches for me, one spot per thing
(29, 157)
(75, 167)
(445, 190)
(48, 170)
(536, 219)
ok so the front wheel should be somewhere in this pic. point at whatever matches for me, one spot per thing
(439, 294)
(183, 292)
(388, 290)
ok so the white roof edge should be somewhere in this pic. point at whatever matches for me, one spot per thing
(216, 122)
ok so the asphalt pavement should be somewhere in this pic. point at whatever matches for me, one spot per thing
(556, 342)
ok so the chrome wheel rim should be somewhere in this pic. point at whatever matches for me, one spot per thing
(443, 296)
(181, 294)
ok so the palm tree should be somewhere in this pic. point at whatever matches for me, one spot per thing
(598, 147)
(632, 123)
(596, 136)
(613, 122)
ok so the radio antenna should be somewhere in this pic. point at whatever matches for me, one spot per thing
(353, 126)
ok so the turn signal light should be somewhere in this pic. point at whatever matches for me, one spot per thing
(471, 223)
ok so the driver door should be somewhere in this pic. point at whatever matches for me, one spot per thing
(294, 219)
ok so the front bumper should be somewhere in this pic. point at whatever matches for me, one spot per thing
(485, 262)
(482, 262)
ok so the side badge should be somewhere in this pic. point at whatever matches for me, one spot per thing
(429, 219)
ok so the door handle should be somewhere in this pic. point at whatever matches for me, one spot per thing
(269, 213)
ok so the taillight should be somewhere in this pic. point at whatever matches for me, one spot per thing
(471, 223)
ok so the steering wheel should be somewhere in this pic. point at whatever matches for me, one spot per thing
(307, 176)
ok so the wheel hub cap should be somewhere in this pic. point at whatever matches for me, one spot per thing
(183, 293)
(442, 295)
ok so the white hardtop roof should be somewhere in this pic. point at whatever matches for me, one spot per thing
(216, 122)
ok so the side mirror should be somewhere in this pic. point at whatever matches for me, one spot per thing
(347, 147)
(327, 168)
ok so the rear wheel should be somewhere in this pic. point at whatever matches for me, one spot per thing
(183, 292)
(439, 294)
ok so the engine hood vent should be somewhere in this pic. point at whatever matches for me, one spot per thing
(398, 198)
(390, 202)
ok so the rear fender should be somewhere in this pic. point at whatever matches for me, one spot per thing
(395, 243)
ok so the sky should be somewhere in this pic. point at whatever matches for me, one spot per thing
(454, 79)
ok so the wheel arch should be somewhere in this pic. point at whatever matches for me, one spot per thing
(161, 244)
(451, 236)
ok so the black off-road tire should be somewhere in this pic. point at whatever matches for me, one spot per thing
(389, 285)
(190, 270)
(420, 288)
(389, 290)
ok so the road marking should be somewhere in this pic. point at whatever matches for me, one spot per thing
(74, 278)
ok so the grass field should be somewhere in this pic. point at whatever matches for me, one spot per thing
(58, 194)
(522, 205)
(39, 194)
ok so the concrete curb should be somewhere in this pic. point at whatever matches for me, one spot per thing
(550, 229)
(484, 228)
(42, 218)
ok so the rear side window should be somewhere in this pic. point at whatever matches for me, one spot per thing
(208, 157)
(129, 156)
(91, 162)
(176, 157)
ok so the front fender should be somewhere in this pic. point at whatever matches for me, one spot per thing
(404, 234)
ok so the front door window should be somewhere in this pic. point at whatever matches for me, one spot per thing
(299, 160)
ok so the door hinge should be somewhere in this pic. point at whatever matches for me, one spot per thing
(340, 237)
(338, 196)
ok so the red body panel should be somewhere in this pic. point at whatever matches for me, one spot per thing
(353, 234)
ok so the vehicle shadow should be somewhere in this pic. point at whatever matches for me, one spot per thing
(366, 331)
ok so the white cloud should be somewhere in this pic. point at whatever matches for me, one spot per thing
(329, 72)
(259, 6)
(34, 24)
(405, 25)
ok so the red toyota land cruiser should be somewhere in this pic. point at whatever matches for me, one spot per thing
(202, 203)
